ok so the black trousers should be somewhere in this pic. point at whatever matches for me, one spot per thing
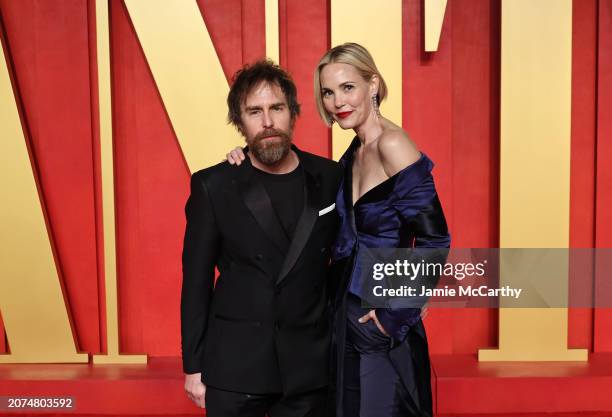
(221, 403)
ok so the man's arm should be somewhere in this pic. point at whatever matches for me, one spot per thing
(200, 250)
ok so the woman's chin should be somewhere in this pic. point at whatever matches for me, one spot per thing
(345, 124)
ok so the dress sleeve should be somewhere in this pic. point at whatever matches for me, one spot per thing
(422, 213)
(416, 202)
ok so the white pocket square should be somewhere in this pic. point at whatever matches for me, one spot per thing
(327, 209)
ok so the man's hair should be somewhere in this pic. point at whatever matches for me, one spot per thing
(249, 77)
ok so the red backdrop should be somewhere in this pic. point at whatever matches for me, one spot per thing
(451, 109)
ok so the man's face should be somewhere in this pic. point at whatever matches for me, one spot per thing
(266, 123)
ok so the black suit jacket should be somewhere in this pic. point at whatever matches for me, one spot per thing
(263, 327)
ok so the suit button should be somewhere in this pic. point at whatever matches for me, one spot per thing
(323, 250)
(259, 256)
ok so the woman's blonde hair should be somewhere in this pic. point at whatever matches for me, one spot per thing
(352, 54)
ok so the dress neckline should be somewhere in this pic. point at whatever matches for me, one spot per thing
(383, 183)
(373, 189)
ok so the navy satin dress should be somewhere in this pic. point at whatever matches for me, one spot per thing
(402, 211)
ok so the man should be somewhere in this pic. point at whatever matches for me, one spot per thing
(256, 343)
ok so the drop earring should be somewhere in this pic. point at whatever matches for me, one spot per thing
(375, 105)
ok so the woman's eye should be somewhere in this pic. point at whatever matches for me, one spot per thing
(327, 93)
(348, 87)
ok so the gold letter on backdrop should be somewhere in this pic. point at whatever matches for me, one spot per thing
(535, 166)
(193, 88)
(379, 29)
(434, 17)
(31, 300)
(188, 75)
(272, 46)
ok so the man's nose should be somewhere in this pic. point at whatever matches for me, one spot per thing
(267, 119)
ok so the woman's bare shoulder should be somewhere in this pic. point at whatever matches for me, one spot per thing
(396, 150)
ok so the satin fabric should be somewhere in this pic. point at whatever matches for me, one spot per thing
(372, 387)
(402, 211)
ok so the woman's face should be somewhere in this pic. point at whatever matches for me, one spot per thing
(347, 97)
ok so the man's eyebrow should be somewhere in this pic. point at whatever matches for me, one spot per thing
(279, 104)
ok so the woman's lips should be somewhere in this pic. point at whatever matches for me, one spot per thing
(344, 114)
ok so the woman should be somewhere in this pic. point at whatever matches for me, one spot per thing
(387, 199)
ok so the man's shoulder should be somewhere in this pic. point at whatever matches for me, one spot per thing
(216, 175)
(320, 162)
(328, 170)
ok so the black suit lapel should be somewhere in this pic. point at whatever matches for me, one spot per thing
(259, 204)
(304, 226)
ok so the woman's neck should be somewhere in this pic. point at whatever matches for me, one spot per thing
(370, 130)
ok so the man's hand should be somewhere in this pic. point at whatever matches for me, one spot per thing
(195, 389)
(235, 157)
(372, 316)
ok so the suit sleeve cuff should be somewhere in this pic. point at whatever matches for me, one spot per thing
(189, 367)
(397, 322)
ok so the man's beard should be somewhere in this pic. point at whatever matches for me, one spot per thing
(270, 152)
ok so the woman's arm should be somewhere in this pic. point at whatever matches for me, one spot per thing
(422, 215)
